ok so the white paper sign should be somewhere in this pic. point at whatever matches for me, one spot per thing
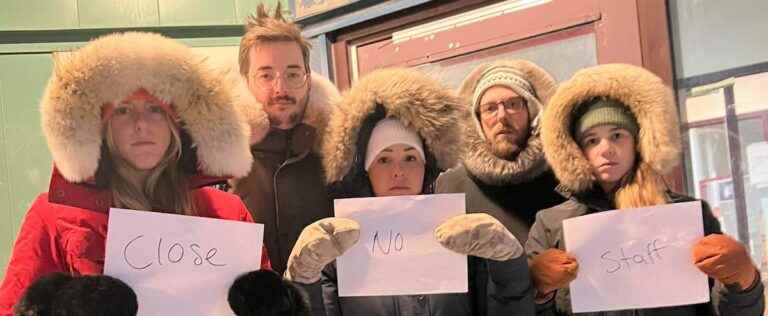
(180, 265)
(397, 253)
(636, 258)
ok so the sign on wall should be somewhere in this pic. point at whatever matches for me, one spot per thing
(311, 7)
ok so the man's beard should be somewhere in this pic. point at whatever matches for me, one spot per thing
(276, 120)
(505, 148)
(291, 117)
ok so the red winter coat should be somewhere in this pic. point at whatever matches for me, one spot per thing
(65, 230)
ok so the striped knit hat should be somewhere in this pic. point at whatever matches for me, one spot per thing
(509, 77)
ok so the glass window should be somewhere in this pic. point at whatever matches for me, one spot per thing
(561, 58)
(712, 163)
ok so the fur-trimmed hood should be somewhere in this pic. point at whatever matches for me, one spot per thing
(110, 68)
(321, 95)
(408, 95)
(644, 94)
(478, 158)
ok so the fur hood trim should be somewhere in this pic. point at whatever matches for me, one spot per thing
(408, 95)
(478, 158)
(644, 94)
(110, 68)
(321, 95)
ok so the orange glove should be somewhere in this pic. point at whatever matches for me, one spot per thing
(724, 259)
(553, 269)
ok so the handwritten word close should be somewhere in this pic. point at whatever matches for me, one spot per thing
(621, 260)
(136, 256)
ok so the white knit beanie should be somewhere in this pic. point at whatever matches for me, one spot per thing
(388, 132)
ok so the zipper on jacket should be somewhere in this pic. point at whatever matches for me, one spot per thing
(288, 161)
(277, 203)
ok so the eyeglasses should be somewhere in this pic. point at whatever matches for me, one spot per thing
(510, 106)
(293, 78)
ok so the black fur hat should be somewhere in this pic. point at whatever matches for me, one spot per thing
(63, 295)
(265, 293)
(38, 297)
(100, 295)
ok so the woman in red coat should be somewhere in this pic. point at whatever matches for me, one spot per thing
(135, 121)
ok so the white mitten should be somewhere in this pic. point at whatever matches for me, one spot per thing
(479, 235)
(320, 243)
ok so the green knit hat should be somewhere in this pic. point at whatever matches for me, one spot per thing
(600, 111)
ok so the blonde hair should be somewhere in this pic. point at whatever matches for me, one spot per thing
(262, 28)
(644, 187)
(165, 189)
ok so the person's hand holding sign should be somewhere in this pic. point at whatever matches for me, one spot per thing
(726, 260)
(553, 269)
(318, 244)
(478, 235)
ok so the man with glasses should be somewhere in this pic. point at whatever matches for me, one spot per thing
(287, 106)
(503, 171)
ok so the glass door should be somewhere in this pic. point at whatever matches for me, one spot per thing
(727, 150)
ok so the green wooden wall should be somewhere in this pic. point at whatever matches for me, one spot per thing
(19, 15)
(25, 163)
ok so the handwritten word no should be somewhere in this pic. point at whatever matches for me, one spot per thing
(379, 242)
(650, 255)
(173, 254)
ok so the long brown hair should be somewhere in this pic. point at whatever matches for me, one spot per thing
(165, 189)
(640, 188)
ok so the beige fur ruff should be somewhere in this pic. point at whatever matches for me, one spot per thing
(478, 158)
(408, 95)
(646, 96)
(110, 68)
